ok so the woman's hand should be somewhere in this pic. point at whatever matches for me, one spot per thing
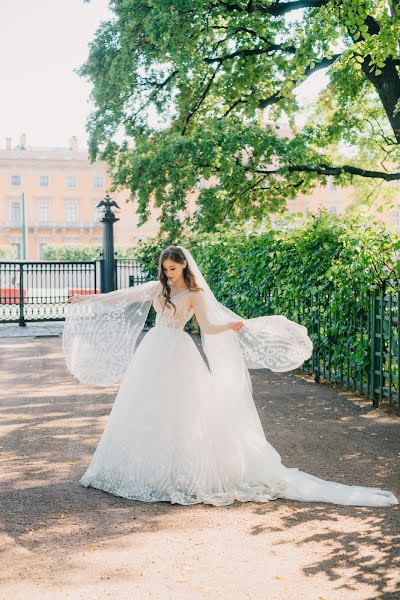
(237, 325)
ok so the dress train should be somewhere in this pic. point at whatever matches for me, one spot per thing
(172, 436)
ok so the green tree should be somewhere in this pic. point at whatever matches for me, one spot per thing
(83, 252)
(187, 83)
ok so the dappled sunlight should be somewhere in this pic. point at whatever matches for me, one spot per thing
(50, 428)
(362, 540)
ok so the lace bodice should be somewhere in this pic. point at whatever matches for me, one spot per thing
(169, 317)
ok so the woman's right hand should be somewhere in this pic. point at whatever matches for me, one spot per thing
(237, 325)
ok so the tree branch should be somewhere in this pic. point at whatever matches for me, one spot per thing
(243, 29)
(251, 52)
(200, 100)
(234, 105)
(275, 10)
(324, 169)
(152, 95)
(276, 96)
(285, 7)
(273, 99)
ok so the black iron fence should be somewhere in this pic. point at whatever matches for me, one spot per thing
(355, 337)
(129, 273)
(38, 291)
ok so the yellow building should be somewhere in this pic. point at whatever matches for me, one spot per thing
(62, 189)
(336, 199)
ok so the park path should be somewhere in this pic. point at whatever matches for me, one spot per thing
(59, 540)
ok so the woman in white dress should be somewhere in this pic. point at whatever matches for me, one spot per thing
(181, 430)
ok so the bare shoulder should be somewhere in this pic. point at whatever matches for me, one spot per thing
(196, 292)
(194, 296)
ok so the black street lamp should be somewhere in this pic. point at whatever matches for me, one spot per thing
(108, 282)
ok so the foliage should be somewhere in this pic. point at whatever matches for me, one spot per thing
(319, 275)
(326, 251)
(186, 85)
(82, 252)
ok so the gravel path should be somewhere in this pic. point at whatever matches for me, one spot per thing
(60, 540)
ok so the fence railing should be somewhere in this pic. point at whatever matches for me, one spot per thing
(128, 273)
(38, 291)
(355, 337)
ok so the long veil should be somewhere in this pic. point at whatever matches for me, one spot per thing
(279, 344)
(100, 332)
(273, 341)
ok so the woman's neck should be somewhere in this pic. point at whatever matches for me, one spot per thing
(178, 286)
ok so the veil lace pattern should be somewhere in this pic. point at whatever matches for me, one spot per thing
(101, 332)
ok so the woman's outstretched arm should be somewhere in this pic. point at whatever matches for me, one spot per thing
(137, 293)
(200, 310)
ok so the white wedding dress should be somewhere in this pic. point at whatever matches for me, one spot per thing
(174, 433)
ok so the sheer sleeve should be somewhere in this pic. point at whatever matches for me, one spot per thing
(203, 319)
(137, 293)
(101, 330)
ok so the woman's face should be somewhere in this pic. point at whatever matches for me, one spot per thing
(173, 270)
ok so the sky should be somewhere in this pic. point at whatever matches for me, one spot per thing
(41, 43)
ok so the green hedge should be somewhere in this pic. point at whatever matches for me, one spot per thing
(319, 275)
(327, 251)
(78, 252)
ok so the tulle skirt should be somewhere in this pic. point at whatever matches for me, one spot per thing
(175, 434)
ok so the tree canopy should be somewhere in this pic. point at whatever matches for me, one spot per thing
(191, 90)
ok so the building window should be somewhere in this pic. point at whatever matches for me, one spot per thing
(98, 181)
(97, 213)
(70, 181)
(43, 180)
(44, 210)
(42, 250)
(17, 247)
(15, 180)
(16, 213)
(394, 217)
(71, 211)
(332, 209)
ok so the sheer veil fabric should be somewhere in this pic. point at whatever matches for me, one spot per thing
(99, 343)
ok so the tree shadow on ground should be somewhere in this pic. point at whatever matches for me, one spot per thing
(51, 426)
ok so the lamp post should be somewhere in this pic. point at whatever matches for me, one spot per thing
(108, 280)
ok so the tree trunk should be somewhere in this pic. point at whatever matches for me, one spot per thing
(387, 84)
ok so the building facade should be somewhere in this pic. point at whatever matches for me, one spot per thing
(61, 189)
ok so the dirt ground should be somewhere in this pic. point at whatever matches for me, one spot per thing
(63, 541)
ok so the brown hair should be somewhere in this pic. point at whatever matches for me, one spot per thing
(177, 255)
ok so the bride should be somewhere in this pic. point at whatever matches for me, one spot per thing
(181, 430)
